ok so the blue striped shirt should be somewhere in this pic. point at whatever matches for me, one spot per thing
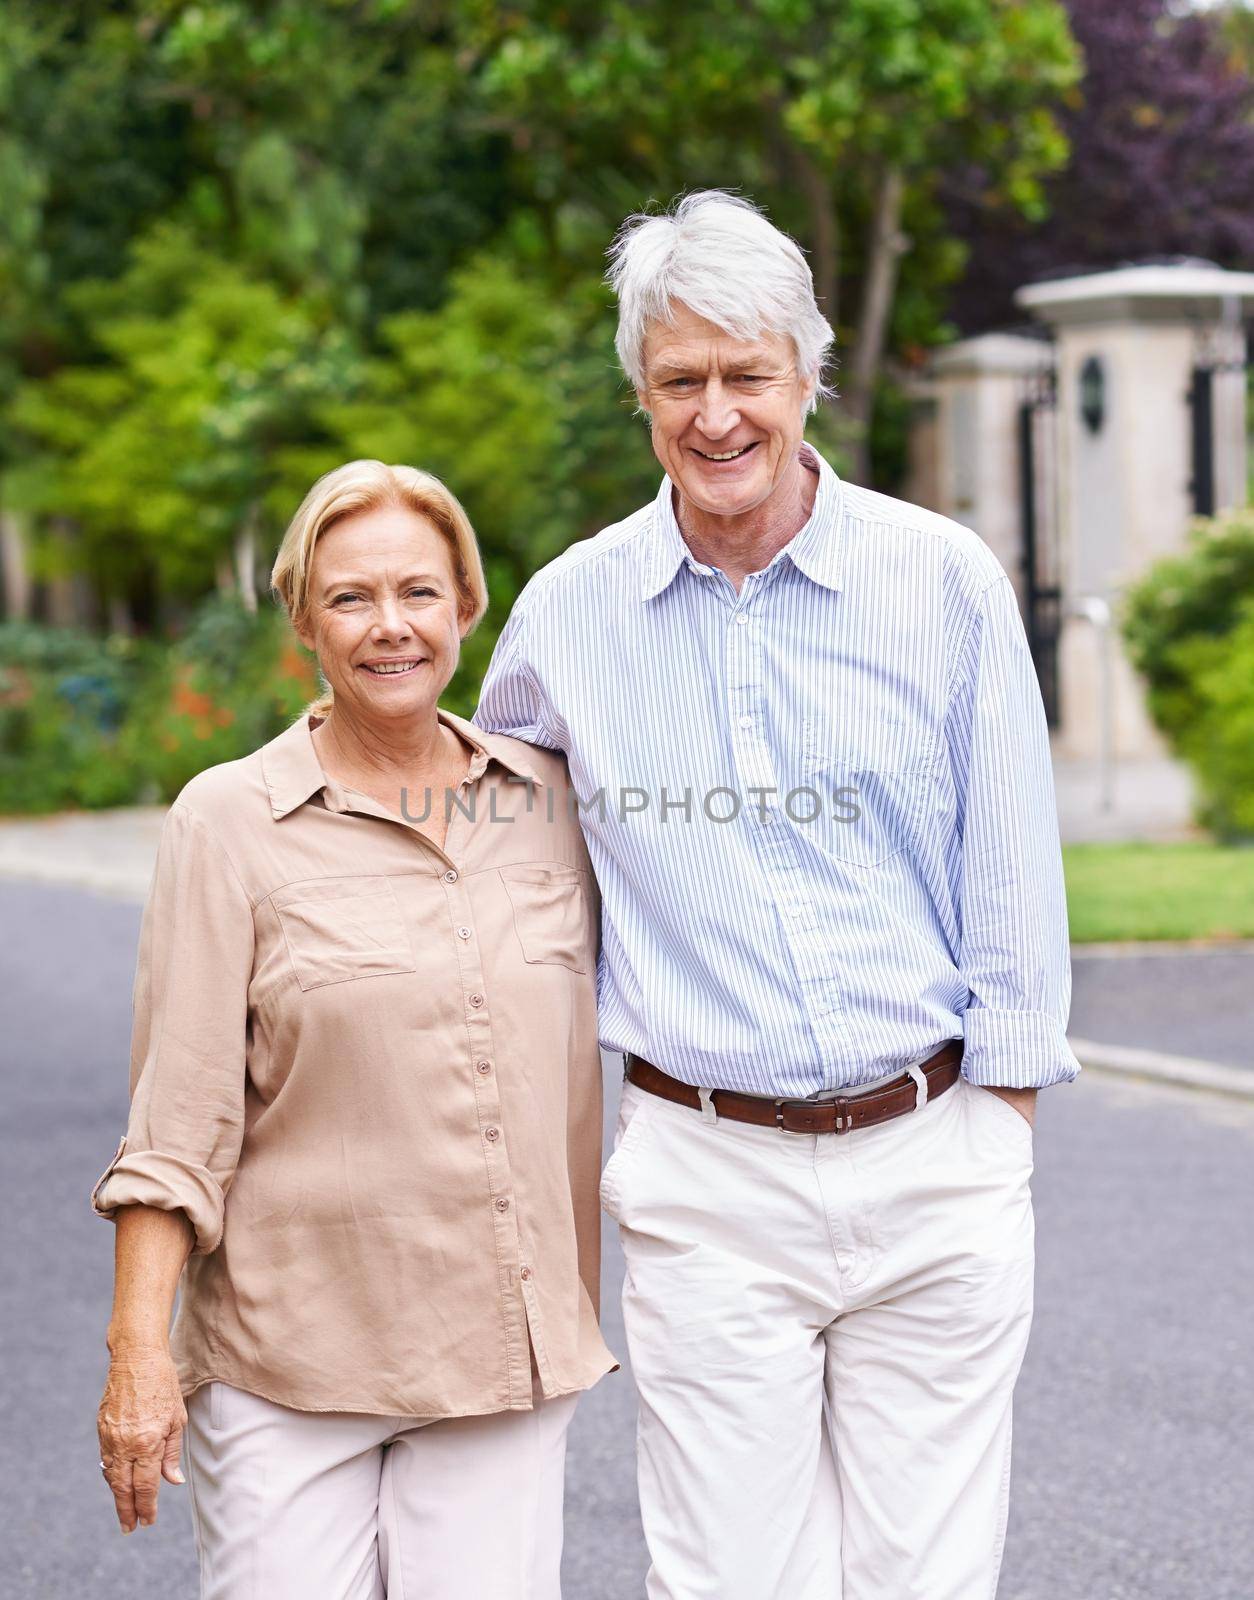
(820, 811)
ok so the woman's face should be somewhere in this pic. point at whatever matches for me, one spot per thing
(383, 614)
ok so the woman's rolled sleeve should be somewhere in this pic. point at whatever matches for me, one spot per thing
(189, 1035)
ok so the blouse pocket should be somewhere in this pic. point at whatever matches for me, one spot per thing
(342, 929)
(550, 913)
(873, 782)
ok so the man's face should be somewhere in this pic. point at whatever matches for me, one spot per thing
(728, 415)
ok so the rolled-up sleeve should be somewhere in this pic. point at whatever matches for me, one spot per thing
(189, 1035)
(1014, 954)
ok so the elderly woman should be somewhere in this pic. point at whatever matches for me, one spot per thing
(366, 1112)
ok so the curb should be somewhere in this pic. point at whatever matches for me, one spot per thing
(1112, 949)
(1186, 1071)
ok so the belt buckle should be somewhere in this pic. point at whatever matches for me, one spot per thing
(844, 1114)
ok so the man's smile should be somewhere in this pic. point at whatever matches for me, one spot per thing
(726, 455)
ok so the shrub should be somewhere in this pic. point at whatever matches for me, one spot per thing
(1185, 599)
(102, 722)
(1189, 627)
(64, 698)
(232, 681)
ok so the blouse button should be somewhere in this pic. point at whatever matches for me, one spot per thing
(450, 876)
(491, 1134)
(483, 1067)
(463, 933)
(476, 1000)
(502, 1204)
(525, 1274)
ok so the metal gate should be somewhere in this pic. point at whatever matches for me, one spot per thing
(1201, 398)
(1038, 508)
(1220, 361)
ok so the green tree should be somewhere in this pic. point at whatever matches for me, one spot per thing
(843, 113)
(324, 154)
(165, 447)
(513, 398)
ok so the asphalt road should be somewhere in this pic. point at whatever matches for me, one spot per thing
(1134, 1473)
(1184, 1003)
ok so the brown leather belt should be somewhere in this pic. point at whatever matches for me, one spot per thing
(840, 1115)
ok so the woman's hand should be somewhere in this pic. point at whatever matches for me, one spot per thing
(140, 1423)
(142, 1417)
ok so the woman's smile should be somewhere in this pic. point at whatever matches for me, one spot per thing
(399, 667)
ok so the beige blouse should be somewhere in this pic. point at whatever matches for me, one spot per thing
(367, 1070)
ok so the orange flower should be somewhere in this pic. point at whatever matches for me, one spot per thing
(293, 664)
(189, 702)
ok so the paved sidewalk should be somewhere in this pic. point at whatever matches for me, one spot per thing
(1148, 800)
(111, 852)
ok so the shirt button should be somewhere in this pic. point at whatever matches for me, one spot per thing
(741, 620)
(502, 1204)
(450, 876)
(525, 1274)
(491, 1134)
(483, 1067)
(463, 933)
(476, 1000)
(746, 722)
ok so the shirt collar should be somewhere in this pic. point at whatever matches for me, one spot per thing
(814, 550)
(293, 772)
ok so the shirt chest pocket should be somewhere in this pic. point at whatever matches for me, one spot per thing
(343, 928)
(872, 782)
(551, 912)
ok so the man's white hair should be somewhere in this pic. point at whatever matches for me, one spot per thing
(717, 254)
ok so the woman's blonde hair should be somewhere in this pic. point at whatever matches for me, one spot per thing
(370, 486)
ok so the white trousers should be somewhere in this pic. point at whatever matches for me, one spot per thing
(825, 1332)
(298, 1505)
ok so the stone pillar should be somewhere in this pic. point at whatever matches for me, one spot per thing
(1128, 342)
(964, 451)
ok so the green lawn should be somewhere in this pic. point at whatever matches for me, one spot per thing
(1159, 891)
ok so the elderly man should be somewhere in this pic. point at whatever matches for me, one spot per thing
(815, 778)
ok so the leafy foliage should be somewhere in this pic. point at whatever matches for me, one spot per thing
(1162, 160)
(232, 681)
(64, 698)
(843, 114)
(1189, 627)
(166, 442)
(241, 242)
(85, 722)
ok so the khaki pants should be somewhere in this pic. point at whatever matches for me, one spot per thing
(297, 1505)
(825, 1331)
